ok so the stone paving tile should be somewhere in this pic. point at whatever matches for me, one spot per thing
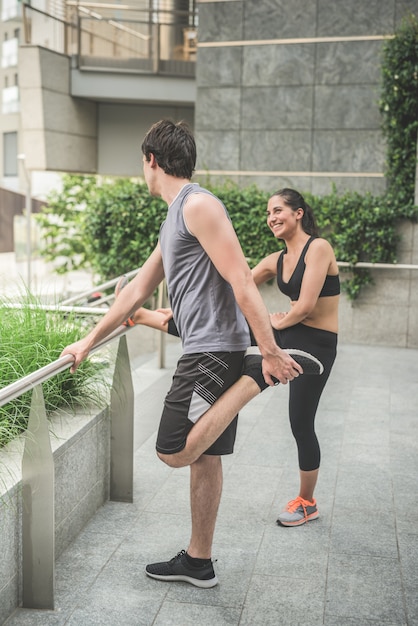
(29, 617)
(175, 613)
(354, 531)
(335, 620)
(366, 587)
(273, 600)
(408, 552)
(294, 553)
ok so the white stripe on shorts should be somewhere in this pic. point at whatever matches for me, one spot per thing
(198, 406)
(217, 379)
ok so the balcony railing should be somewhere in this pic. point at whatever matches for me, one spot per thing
(148, 42)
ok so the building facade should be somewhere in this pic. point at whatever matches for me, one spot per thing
(81, 84)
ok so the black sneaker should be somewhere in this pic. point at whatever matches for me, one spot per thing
(178, 568)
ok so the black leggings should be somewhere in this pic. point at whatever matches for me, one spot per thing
(305, 391)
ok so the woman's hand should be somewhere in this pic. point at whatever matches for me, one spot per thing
(275, 319)
(168, 314)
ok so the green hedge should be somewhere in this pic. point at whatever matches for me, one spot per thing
(399, 106)
(120, 225)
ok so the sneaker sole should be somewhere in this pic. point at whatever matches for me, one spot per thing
(203, 584)
(309, 518)
(310, 364)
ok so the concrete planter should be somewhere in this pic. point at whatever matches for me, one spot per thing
(81, 451)
(90, 456)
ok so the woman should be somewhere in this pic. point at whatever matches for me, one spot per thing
(307, 272)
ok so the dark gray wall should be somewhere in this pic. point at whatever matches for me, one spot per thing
(121, 129)
(302, 114)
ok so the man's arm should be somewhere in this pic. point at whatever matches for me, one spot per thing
(206, 220)
(129, 300)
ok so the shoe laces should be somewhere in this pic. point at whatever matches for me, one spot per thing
(293, 505)
(178, 556)
(181, 553)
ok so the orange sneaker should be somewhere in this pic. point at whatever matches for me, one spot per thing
(122, 282)
(297, 512)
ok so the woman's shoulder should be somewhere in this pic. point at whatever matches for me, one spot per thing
(320, 243)
(275, 256)
(320, 247)
(266, 268)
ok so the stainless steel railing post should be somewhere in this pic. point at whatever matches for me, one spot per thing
(38, 515)
(122, 428)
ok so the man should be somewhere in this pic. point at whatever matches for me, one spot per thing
(211, 293)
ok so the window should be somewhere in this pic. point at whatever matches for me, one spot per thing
(10, 154)
(10, 102)
(10, 9)
(9, 52)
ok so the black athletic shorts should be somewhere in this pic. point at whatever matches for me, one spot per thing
(197, 382)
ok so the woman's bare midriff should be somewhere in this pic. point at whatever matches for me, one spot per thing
(325, 314)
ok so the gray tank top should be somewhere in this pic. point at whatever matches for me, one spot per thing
(203, 304)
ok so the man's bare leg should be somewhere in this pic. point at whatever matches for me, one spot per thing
(213, 423)
(205, 495)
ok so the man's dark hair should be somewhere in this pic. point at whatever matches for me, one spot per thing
(173, 147)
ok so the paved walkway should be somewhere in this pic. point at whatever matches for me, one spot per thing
(354, 566)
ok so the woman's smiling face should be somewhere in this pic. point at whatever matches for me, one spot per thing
(281, 219)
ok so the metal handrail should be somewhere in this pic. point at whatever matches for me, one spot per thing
(58, 308)
(389, 266)
(111, 283)
(107, 285)
(18, 387)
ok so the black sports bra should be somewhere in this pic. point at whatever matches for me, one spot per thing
(331, 286)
